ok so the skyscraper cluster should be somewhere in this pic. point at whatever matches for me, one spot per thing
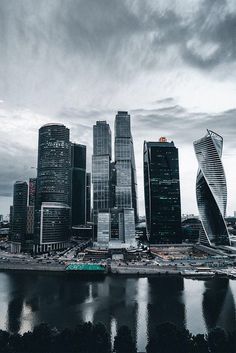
(58, 200)
(114, 183)
(58, 197)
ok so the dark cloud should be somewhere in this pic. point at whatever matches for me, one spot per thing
(185, 126)
(116, 37)
(78, 61)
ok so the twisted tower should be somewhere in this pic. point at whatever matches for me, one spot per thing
(211, 189)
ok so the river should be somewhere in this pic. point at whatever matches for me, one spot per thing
(63, 300)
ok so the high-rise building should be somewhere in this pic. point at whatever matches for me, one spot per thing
(88, 197)
(126, 184)
(78, 194)
(101, 139)
(162, 192)
(211, 189)
(32, 191)
(53, 183)
(101, 169)
(19, 215)
(55, 222)
(103, 228)
(124, 179)
(30, 221)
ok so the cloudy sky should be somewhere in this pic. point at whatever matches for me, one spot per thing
(170, 63)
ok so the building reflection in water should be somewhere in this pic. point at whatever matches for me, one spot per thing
(166, 302)
(142, 313)
(140, 303)
(218, 304)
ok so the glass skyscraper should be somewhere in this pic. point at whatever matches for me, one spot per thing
(78, 181)
(162, 192)
(101, 167)
(88, 197)
(101, 175)
(211, 189)
(19, 215)
(125, 179)
(53, 181)
(126, 183)
(32, 191)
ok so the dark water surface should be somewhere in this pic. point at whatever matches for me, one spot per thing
(141, 303)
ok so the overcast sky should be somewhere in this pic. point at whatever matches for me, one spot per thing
(171, 64)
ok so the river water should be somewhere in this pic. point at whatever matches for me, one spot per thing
(63, 300)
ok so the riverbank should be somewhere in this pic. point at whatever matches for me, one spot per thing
(125, 271)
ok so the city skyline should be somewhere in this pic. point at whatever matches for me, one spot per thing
(165, 67)
(141, 206)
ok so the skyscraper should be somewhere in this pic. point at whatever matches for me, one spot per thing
(211, 189)
(126, 184)
(32, 191)
(53, 183)
(101, 167)
(162, 192)
(88, 197)
(125, 178)
(31, 208)
(78, 181)
(19, 215)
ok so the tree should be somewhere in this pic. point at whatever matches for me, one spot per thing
(102, 343)
(218, 341)
(83, 338)
(168, 339)
(123, 342)
(200, 344)
(42, 337)
(4, 338)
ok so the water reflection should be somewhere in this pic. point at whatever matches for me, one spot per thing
(141, 303)
(166, 301)
(218, 304)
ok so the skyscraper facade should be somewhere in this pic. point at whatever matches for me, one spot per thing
(101, 167)
(126, 183)
(53, 179)
(124, 178)
(78, 183)
(162, 192)
(211, 189)
(19, 214)
(32, 191)
(88, 197)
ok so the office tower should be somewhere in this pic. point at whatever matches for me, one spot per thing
(78, 181)
(19, 215)
(127, 226)
(32, 191)
(88, 197)
(162, 192)
(126, 184)
(53, 184)
(30, 220)
(103, 230)
(101, 169)
(101, 139)
(211, 189)
(55, 222)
